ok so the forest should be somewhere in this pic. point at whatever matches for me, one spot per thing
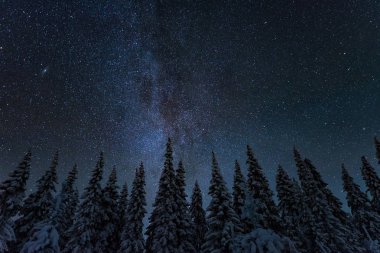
(307, 217)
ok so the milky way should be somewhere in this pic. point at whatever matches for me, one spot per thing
(123, 76)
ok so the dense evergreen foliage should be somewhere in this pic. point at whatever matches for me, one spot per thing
(132, 232)
(307, 217)
(198, 217)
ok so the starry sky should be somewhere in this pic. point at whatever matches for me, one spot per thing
(122, 76)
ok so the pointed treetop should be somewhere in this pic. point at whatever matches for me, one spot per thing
(101, 159)
(237, 165)
(214, 161)
(112, 179)
(141, 170)
(280, 169)
(72, 176)
(296, 153)
(196, 185)
(344, 170)
(250, 153)
(364, 160)
(169, 146)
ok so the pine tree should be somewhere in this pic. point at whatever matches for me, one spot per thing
(377, 146)
(39, 205)
(110, 218)
(183, 222)
(88, 223)
(365, 218)
(12, 190)
(161, 231)
(306, 222)
(198, 217)
(332, 200)
(132, 236)
(222, 219)
(258, 185)
(289, 207)
(122, 206)
(372, 182)
(330, 234)
(66, 206)
(239, 189)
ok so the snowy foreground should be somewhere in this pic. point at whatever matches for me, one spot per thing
(307, 219)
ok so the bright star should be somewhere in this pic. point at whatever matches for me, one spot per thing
(44, 71)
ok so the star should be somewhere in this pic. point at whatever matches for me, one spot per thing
(44, 71)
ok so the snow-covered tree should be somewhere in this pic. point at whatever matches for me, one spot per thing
(239, 189)
(198, 217)
(161, 231)
(333, 201)
(258, 185)
(365, 218)
(67, 202)
(122, 205)
(305, 220)
(88, 223)
(184, 225)
(330, 234)
(372, 182)
(6, 233)
(223, 222)
(132, 237)
(289, 206)
(263, 241)
(12, 190)
(253, 213)
(39, 205)
(44, 239)
(110, 218)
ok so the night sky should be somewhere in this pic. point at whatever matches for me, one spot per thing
(122, 76)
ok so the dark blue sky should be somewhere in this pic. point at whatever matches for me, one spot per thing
(122, 76)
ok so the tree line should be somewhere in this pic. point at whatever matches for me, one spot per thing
(308, 217)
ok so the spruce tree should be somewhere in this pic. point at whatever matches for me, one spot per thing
(161, 231)
(12, 190)
(330, 234)
(110, 218)
(332, 200)
(258, 185)
(66, 206)
(88, 223)
(289, 207)
(122, 206)
(39, 205)
(184, 225)
(365, 218)
(239, 189)
(305, 221)
(222, 219)
(372, 182)
(377, 146)
(198, 217)
(132, 236)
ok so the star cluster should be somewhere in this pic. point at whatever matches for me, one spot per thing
(122, 76)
